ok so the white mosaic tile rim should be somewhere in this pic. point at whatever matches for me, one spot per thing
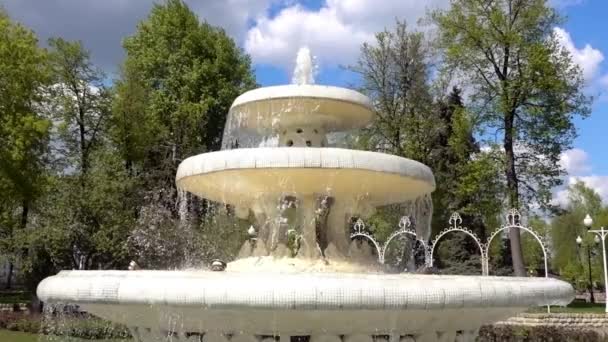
(303, 91)
(322, 291)
(303, 157)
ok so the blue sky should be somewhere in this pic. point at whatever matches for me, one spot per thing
(271, 31)
(587, 25)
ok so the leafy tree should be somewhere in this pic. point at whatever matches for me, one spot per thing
(532, 251)
(79, 104)
(24, 133)
(394, 72)
(434, 129)
(86, 215)
(569, 258)
(524, 85)
(178, 82)
(458, 254)
(467, 182)
(467, 177)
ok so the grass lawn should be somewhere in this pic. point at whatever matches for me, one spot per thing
(574, 307)
(12, 336)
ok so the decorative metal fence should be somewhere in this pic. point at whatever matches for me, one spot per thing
(513, 221)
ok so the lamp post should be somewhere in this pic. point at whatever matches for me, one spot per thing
(579, 243)
(600, 234)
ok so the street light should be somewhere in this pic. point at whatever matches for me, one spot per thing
(600, 235)
(579, 243)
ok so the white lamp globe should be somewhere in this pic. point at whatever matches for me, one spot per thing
(588, 221)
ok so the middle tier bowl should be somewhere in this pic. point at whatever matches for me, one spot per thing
(242, 176)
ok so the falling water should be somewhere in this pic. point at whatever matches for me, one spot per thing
(420, 210)
(182, 206)
(305, 67)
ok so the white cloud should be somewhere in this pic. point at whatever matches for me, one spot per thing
(588, 58)
(334, 32)
(232, 15)
(595, 182)
(575, 161)
(602, 85)
(577, 164)
(603, 81)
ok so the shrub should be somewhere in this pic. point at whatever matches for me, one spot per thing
(508, 333)
(76, 325)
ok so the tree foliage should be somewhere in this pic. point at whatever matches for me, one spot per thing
(524, 86)
(179, 79)
(87, 164)
(108, 154)
(414, 121)
(24, 133)
(569, 258)
(394, 71)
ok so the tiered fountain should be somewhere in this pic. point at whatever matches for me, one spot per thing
(301, 277)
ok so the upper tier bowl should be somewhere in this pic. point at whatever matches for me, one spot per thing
(279, 107)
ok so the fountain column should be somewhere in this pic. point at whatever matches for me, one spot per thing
(309, 247)
(337, 232)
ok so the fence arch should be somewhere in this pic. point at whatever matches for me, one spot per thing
(404, 229)
(514, 221)
(455, 226)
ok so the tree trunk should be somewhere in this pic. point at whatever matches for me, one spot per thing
(513, 195)
(25, 210)
(9, 277)
(590, 287)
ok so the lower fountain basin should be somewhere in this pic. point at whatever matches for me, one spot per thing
(244, 176)
(190, 304)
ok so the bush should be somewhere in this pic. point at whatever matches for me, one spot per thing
(508, 333)
(84, 326)
(17, 321)
(76, 325)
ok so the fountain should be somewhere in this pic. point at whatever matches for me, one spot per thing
(300, 277)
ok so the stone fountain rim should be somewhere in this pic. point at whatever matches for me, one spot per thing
(302, 291)
(312, 91)
(303, 157)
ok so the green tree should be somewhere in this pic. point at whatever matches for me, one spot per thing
(435, 129)
(532, 251)
(24, 132)
(177, 84)
(80, 104)
(467, 178)
(578, 263)
(394, 72)
(86, 215)
(179, 79)
(467, 182)
(524, 86)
